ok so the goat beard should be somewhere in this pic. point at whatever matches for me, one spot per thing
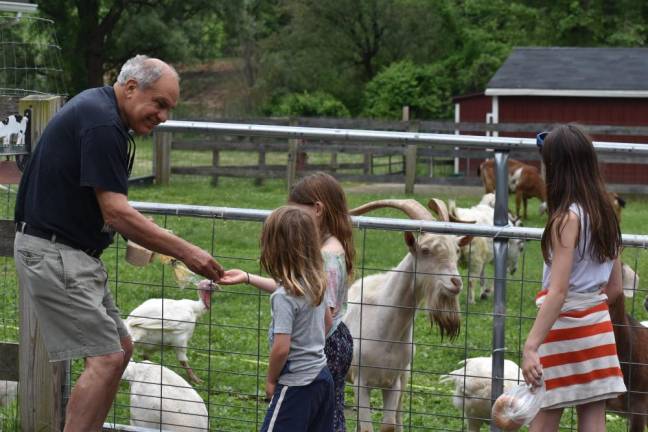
(444, 312)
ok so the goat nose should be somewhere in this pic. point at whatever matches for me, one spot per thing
(456, 282)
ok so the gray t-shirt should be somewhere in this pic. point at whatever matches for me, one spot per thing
(305, 325)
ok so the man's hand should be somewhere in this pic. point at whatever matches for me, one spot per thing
(201, 262)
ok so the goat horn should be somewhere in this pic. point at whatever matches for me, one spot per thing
(410, 207)
(452, 213)
(439, 207)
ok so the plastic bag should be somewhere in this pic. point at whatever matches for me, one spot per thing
(517, 406)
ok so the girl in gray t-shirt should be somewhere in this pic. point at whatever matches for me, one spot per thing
(298, 381)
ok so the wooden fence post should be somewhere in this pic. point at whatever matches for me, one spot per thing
(294, 156)
(409, 157)
(40, 382)
(410, 168)
(261, 165)
(334, 162)
(291, 168)
(162, 157)
(367, 163)
(215, 163)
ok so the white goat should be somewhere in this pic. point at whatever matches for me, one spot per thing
(162, 399)
(480, 250)
(13, 128)
(472, 382)
(629, 280)
(381, 312)
(166, 322)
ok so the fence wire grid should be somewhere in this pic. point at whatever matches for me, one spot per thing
(229, 349)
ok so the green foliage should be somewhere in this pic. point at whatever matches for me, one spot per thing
(339, 47)
(423, 88)
(317, 104)
(97, 36)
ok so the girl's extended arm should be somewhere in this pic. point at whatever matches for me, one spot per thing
(238, 276)
(562, 259)
(278, 357)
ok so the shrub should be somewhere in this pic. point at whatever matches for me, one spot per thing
(425, 88)
(317, 104)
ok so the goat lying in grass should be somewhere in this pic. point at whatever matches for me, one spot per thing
(381, 312)
(162, 399)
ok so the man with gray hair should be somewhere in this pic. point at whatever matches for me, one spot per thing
(72, 199)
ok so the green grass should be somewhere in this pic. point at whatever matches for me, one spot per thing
(229, 348)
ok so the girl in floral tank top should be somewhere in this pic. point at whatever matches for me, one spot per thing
(322, 195)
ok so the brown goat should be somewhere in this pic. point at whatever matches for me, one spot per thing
(487, 173)
(524, 180)
(618, 203)
(632, 348)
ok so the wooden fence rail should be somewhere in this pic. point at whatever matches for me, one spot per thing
(379, 162)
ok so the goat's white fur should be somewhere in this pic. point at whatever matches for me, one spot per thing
(629, 280)
(385, 304)
(479, 252)
(472, 394)
(162, 398)
(13, 127)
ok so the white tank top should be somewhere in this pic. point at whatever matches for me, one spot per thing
(587, 274)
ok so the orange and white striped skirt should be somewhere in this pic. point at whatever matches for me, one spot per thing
(579, 357)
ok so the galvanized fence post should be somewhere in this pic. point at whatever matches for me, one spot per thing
(500, 246)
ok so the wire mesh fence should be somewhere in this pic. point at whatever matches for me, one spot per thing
(30, 57)
(228, 350)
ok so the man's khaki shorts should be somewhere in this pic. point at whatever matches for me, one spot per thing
(69, 291)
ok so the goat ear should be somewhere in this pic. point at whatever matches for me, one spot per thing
(463, 241)
(410, 241)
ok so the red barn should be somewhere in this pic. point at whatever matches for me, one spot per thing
(600, 86)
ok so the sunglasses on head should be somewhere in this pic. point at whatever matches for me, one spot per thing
(540, 140)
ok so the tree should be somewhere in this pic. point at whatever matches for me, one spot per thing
(338, 46)
(97, 36)
(425, 89)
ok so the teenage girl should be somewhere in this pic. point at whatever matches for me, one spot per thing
(322, 196)
(298, 381)
(571, 346)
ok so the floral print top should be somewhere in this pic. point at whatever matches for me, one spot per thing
(336, 290)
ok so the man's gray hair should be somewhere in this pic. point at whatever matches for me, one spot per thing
(144, 71)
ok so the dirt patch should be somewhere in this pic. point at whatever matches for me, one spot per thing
(212, 90)
(427, 190)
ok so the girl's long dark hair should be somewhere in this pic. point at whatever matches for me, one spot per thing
(573, 176)
(336, 220)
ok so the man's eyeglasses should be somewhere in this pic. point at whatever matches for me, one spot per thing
(540, 140)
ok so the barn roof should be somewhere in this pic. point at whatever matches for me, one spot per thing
(561, 71)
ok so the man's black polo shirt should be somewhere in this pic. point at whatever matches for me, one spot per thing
(84, 146)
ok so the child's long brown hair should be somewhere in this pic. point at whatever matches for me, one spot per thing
(573, 176)
(290, 253)
(336, 220)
